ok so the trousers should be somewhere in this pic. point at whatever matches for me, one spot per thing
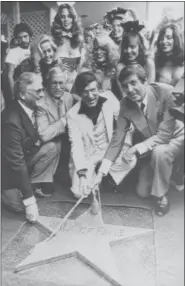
(156, 171)
(42, 167)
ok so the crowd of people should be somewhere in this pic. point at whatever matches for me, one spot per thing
(98, 100)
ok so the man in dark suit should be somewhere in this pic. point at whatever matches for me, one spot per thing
(25, 161)
(158, 138)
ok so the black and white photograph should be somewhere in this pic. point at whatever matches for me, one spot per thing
(92, 143)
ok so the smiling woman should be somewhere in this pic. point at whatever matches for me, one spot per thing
(170, 55)
(46, 49)
(105, 58)
(68, 36)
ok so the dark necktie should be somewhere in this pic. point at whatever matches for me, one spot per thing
(142, 108)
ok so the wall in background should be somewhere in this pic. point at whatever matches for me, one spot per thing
(96, 10)
(157, 9)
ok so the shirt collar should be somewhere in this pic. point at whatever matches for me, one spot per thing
(84, 108)
(145, 101)
(28, 111)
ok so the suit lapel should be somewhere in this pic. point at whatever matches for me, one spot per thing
(108, 117)
(151, 113)
(26, 121)
(137, 117)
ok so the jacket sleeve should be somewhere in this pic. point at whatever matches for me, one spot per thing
(77, 145)
(14, 155)
(46, 130)
(166, 125)
(118, 137)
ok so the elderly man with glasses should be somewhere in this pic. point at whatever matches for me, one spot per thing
(51, 115)
(26, 161)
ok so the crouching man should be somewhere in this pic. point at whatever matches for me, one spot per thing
(25, 161)
(91, 122)
(159, 139)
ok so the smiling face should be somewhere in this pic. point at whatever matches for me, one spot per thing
(66, 19)
(167, 41)
(134, 88)
(100, 53)
(47, 52)
(90, 94)
(117, 29)
(57, 85)
(131, 50)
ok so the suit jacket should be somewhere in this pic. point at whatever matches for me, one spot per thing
(157, 127)
(50, 118)
(81, 129)
(19, 143)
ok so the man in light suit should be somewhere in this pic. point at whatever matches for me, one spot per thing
(51, 118)
(158, 139)
(26, 162)
(91, 122)
(51, 111)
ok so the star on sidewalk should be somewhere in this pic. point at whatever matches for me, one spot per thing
(86, 238)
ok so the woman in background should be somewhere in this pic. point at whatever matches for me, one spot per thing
(68, 36)
(89, 38)
(116, 18)
(46, 49)
(169, 57)
(105, 58)
(134, 50)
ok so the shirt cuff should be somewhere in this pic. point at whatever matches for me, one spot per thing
(29, 201)
(141, 148)
(82, 173)
(105, 166)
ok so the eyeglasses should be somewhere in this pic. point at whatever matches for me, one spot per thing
(37, 91)
(55, 83)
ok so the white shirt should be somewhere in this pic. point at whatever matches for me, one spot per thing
(17, 55)
(28, 111)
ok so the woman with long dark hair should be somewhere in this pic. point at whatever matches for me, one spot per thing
(134, 49)
(169, 57)
(116, 18)
(68, 36)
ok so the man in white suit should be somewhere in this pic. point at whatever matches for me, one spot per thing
(90, 123)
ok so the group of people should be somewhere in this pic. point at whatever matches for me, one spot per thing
(107, 92)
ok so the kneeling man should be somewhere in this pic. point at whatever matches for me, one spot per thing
(159, 139)
(91, 122)
(26, 162)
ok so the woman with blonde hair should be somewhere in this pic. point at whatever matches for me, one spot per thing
(43, 55)
(105, 58)
(68, 36)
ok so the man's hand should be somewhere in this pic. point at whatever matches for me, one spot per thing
(97, 180)
(32, 212)
(84, 188)
(127, 156)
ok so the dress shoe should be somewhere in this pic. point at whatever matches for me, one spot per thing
(162, 206)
